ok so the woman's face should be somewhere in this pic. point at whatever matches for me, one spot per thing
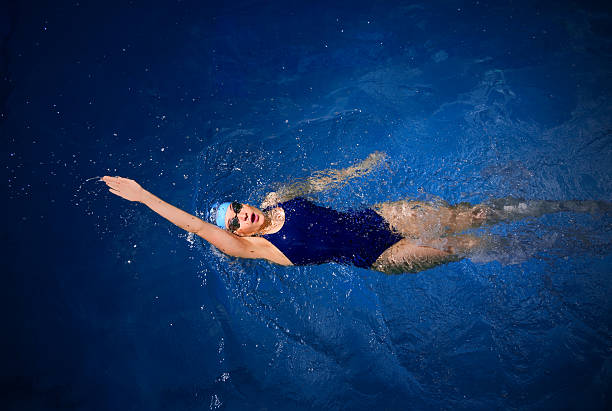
(251, 219)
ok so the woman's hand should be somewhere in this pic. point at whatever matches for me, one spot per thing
(125, 188)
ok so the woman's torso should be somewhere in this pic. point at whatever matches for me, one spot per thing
(312, 234)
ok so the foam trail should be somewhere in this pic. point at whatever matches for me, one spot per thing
(511, 209)
(534, 239)
(518, 247)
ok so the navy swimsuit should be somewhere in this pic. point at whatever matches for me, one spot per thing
(313, 234)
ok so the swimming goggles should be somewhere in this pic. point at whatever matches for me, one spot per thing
(234, 223)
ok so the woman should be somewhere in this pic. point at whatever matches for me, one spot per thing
(290, 230)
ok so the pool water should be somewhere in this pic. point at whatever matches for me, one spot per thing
(108, 306)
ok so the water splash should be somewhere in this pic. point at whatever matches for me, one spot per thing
(78, 190)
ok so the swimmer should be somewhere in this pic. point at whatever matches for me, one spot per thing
(392, 237)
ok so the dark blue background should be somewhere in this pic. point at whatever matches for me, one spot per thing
(106, 306)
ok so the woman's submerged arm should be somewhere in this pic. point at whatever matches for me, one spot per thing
(223, 240)
(324, 180)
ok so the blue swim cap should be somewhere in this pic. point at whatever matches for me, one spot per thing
(217, 214)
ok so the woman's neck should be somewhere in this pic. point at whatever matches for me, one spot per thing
(274, 220)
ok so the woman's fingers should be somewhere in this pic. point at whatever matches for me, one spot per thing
(109, 180)
(114, 179)
(114, 186)
(113, 182)
(124, 187)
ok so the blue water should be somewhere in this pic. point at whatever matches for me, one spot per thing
(107, 306)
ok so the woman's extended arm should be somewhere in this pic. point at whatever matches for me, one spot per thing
(324, 180)
(223, 240)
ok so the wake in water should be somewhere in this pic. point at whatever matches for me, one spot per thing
(535, 238)
(510, 209)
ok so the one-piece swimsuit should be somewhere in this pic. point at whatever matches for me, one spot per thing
(312, 234)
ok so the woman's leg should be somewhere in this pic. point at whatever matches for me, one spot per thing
(408, 255)
(418, 219)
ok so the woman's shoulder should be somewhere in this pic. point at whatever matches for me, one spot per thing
(272, 201)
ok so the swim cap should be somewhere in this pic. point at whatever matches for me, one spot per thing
(217, 214)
